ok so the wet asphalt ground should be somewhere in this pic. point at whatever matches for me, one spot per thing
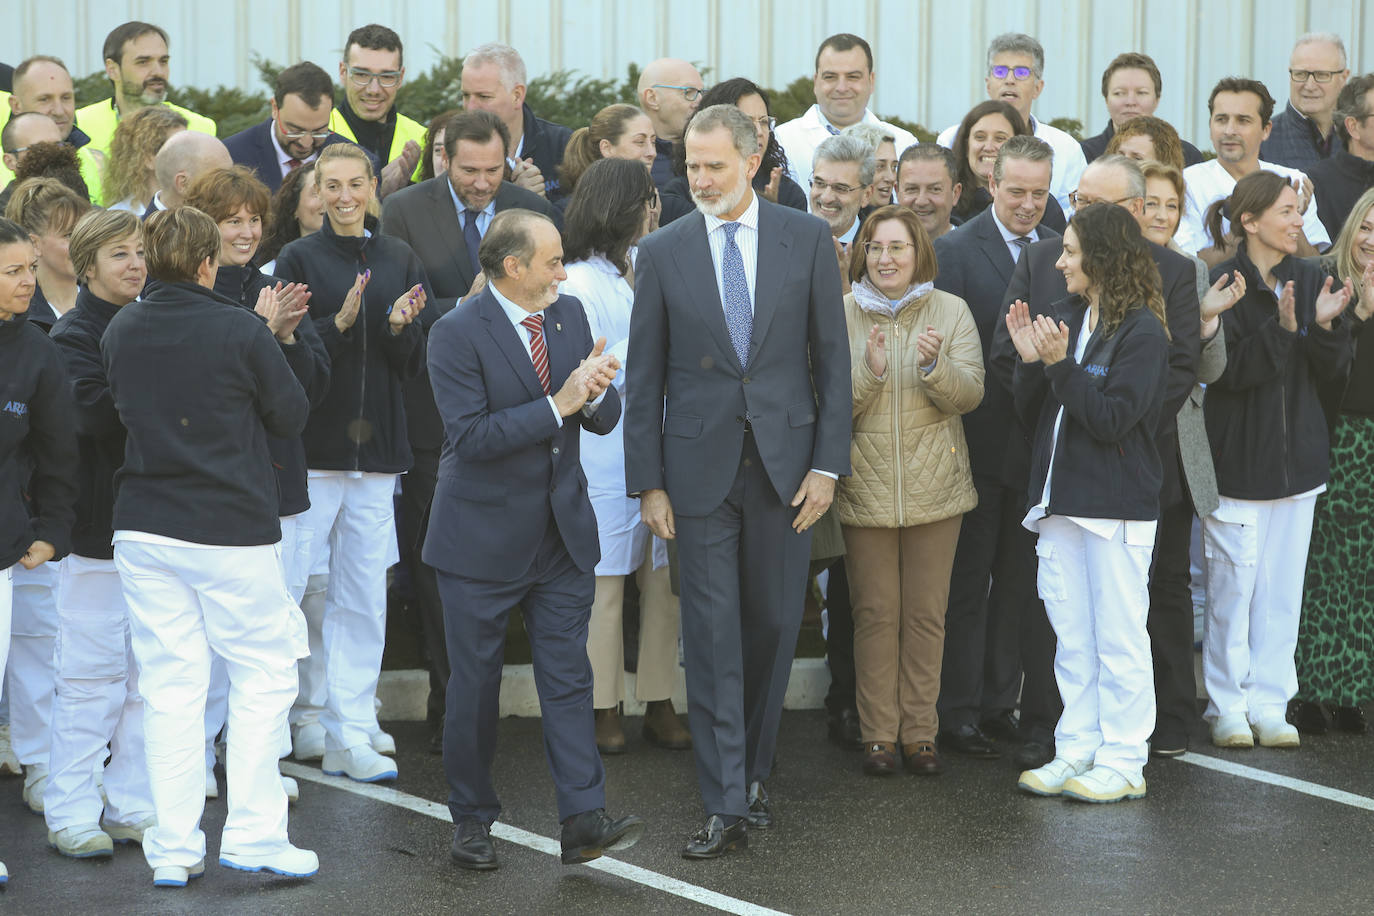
(1203, 841)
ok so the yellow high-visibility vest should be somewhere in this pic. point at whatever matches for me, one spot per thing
(92, 161)
(406, 129)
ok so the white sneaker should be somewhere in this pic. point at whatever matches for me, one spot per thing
(177, 876)
(292, 862)
(1101, 785)
(307, 741)
(211, 783)
(1049, 779)
(129, 833)
(1232, 731)
(4, 874)
(87, 841)
(1275, 733)
(292, 788)
(9, 764)
(383, 743)
(360, 763)
(35, 783)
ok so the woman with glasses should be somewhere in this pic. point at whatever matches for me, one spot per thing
(611, 209)
(771, 180)
(981, 134)
(917, 367)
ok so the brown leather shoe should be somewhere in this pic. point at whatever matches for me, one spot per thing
(880, 758)
(921, 759)
(610, 738)
(663, 727)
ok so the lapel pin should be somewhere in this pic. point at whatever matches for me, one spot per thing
(557, 326)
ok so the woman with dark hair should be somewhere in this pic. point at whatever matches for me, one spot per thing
(1090, 381)
(616, 131)
(433, 161)
(610, 210)
(49, 210)
(1284, 339)
(981, 134)
(295, 211)
(771, 180)
(37, 442)
(1337, 623)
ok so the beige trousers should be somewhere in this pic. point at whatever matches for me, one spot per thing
(658, 630)
(899, 585)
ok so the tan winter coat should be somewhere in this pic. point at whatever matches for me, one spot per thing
(911, 465)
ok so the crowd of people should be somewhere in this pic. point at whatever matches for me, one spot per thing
(1005, 400)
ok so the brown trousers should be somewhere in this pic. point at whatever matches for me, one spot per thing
(899, 584)
(658, 630)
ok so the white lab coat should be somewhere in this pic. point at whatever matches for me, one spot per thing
(800, 137)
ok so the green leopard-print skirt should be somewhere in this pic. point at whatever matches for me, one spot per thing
(1335, 652)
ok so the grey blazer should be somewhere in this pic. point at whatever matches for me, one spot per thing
(1192, 429)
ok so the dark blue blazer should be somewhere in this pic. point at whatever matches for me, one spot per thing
(253, 148)
(507, 467)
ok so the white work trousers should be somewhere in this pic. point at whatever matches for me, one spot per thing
(30, 676)
(1256, 560)
(97, 704)
(355, 516)
(186, 603)
(1096, 594)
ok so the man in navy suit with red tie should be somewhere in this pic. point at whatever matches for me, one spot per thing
(516, 377)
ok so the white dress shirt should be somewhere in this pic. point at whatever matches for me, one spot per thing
(283, 157)
(1208, 182)
(1010, 237)
(484, 215)
(517, 314)
(800, 137)
(1069, 161)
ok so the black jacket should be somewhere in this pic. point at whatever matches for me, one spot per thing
(361, 424)
(309, 362)
(1094, 147)
(1105, 462)
(99, 434)
(199, 386)
(1264, 415)
(1337, 182)
(37, 443)
(545, 142)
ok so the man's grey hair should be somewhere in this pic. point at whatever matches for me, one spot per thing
(848, 148)
(1018, 43)
(871, 134)
(506, 58)
(508, 236)
(1022, 146)
(742, 133)
(1351, 103)
(1323, 38)
(1135, 178)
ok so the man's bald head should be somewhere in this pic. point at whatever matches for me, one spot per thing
(42, 84)
(663, 89)
(186, 156)
(1112, 179)
(23, 131)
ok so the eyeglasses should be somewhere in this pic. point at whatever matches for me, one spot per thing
(763, 123)
(1000, 72)
(25, 149)
(893, 249)
(387, 79)
(690, 93)
(1321, 76)
(321, 135)
(1077, 200)
(818, 185)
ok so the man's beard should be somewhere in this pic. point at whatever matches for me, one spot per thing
(722, 204)
(144, 94)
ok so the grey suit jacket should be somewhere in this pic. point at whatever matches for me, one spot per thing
(794, 388)
(423, 216)
(1193, 448)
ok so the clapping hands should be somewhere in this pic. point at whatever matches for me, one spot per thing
(588, 381)
(283, 307)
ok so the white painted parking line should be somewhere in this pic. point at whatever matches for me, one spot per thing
(1316, 790)
(547, 845)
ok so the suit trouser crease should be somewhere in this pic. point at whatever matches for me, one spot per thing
(900, 582)
(743, 580)
(187, 603)
(1256, 559)
(1096, 593)
(98, 703)
(658, 630)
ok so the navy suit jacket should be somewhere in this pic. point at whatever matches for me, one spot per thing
(507, 466)
(253, 148)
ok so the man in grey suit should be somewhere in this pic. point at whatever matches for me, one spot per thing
(738, 318)
(432, 218)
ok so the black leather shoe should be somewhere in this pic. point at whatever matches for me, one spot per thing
(472, 845)
(760, 815)
(844, 729)
(1308, 718)
(587, 835)
(1167, 742)
(1349, 719)
(969, 741)
(1034, 753)
(1002, 727)
(715, 839)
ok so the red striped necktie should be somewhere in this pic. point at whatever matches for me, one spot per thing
(538, 352)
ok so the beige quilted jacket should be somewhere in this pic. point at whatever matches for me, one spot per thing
(911, 465)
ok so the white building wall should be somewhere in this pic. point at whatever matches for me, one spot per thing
(930, 53)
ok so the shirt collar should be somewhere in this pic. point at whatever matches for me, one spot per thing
(749, 218)
(489, 209)
(283, 157)
(849, 233)
(1007, 235)
(515, 313)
